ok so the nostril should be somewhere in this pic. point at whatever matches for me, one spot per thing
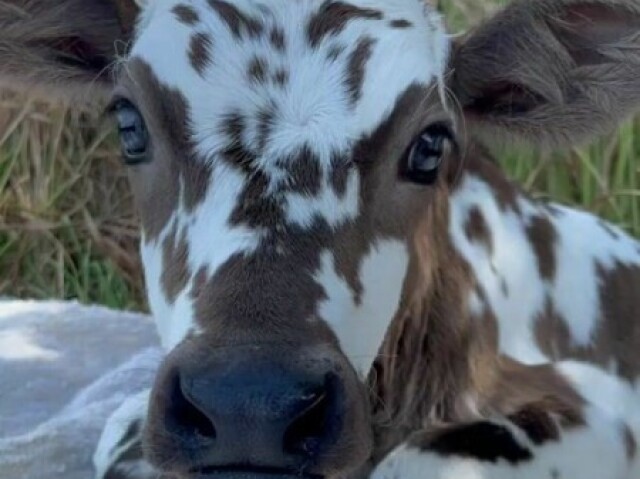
(315, 425)
(184, 417)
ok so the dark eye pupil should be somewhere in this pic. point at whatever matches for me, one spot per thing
(133, 132)
(425, 157)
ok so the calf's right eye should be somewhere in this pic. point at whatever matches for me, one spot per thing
(423, 160)
(134, 138)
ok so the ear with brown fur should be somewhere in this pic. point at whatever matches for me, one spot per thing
(62, 46)
(550, 72)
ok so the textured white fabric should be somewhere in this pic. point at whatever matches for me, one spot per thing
(64, 368)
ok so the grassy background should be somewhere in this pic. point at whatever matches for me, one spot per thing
(68, 228)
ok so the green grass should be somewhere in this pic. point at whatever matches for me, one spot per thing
(603, 177)
(68, 227)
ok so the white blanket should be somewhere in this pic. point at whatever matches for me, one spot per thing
(64, 368)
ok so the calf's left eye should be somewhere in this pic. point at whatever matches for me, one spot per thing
(424, 158)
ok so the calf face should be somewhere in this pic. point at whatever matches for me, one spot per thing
(291, 162)
(277, 241)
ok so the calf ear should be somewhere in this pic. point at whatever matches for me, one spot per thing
(551, 72)
(62, 46)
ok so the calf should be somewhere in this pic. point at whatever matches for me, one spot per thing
(345, 282)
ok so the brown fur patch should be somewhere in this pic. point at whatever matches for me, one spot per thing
(305, 176)
(156, 184)
(356, 67)
(238, 22)
(333, 17)
(543, 238)
(400, 23)
(186, 14)
(277, 39)
(483, 441)
(175, 269)
(335, 52)
(200, 47)
(257, 71)
(255, 208)
(630, 443)
(266, 117)
(281, 77)
(340, 169)
(521, 387)
(477, 230)
(196, 175)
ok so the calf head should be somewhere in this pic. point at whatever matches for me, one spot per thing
(291, 162)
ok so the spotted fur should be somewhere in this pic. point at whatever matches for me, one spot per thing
(478, 332)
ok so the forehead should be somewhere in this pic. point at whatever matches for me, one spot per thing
(322, 73)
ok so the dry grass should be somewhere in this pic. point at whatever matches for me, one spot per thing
(67, 225)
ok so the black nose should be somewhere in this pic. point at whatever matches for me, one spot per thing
(254, 414)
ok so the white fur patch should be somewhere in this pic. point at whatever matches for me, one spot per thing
(582, 243)
(614, 398)
(211, 240)
(361, 328)
(514, 263)
(596, 451)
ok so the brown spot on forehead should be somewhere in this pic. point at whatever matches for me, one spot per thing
(200, 47)
(477, 230)
(543, 238)
(281, 77)
(335, 52)
(620, 315)
(616, 335)
(340, 169)
(257, 70)
(175, 269)
(235, 153)
(356, 68)
(266, 117)
(186, 14)
(305, 176)
(333, 17)
(400, 23)
(277, 39)
(542, 420)
(238, 22)
(255, 207)
(484, 441)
